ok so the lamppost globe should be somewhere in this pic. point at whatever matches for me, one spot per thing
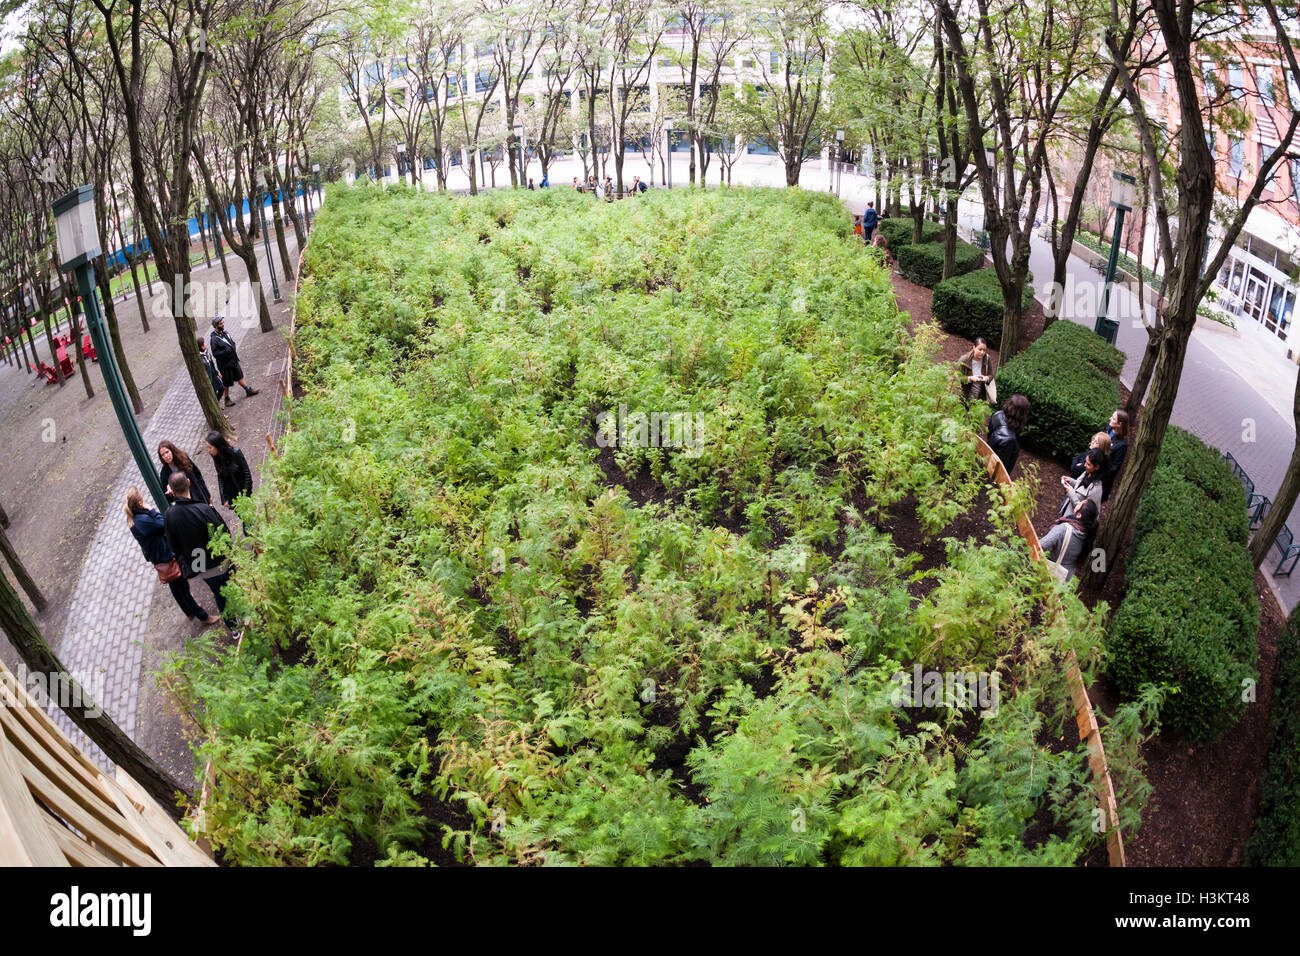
(77, 240)
(1123, 191)
(75, 231)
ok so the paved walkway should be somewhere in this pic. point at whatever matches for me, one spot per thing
(103, 640)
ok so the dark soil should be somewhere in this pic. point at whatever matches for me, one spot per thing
(1205, 799)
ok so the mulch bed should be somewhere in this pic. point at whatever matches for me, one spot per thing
(1205, 799)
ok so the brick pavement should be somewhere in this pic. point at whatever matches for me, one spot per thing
(102, 644)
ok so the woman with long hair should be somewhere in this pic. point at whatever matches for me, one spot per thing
(146, 526)
(1005, 427)
(173, 460)
(1088, 486)
(233, 475)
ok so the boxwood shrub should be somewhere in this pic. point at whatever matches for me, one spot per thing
(970, 305)
(1070, 376)
(898, 232)
(923, 264)
(1276, 840)
(1189, 615)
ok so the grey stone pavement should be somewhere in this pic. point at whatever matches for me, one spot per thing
(102, 644)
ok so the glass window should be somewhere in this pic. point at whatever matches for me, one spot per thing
(1164, 77)
(1264, 83)
(1292, 89)
(1236, 155)
(1295, 179)
(1234, 79)
(1211, 79)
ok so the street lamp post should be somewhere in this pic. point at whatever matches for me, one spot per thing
(668, 151)
(1123, 194)
(401, 165)
(838, 173)
(78, 246)
(266, 239)
(315, 168)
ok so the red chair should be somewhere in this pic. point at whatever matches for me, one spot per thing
(88, 350)
(49, 373)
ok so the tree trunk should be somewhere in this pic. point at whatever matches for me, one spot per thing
(186, 337)
(1286, 495)
(117, 746)
(221, 248)
(286, 265)
(115, 335)
(20, 574)
(255, 280)
(4, 517)
(74, 313)
(1144, 374)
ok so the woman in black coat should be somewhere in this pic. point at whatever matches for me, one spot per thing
(174, 460)
(1005, 427)
(233, 475)
(146, 526)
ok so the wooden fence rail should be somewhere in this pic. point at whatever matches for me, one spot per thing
(1085, 717)
(59, 809)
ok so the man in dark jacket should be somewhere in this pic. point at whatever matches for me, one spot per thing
(869, 220)
(223, 350)
(188, 526)
(209, 363)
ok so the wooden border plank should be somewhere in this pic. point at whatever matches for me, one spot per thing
(25, 840)
(170, 843)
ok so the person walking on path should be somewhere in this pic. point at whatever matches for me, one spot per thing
(1068, 537)
(223, 350)
(1005, 427)
(233, 475)
(209, 363)
(869, 220)
(146, 526)
(978, 367)
(188, 526)
(174, 460)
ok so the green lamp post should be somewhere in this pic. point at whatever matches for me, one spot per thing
(77, 238)
(1123, 194)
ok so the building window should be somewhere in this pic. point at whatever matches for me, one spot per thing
(1164, 77)
(1236, 154)
(1235, 88)
(1264, 83)
(1211, 80)
(1295, 180)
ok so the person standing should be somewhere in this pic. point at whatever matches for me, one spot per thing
(223, 350)
(188, 526)
(147, 527)
(210, 364)
(1005, 427)
(1118, 429)
(174, 460)
(978, 366)
(233, 475)
(870, 218)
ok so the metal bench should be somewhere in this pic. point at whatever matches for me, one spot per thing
(1289, 551)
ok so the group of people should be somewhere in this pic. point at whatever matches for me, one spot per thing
(546, 181)
(867, 225)
(222, 363)
(604, 189)
(1089, 483)
(177, 544)
(1092, 472)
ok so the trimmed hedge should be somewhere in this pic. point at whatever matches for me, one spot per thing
(1189, 617)
(923, 264)
(1071, 378)
(1276, 840)
(898, 232)
(970, 305)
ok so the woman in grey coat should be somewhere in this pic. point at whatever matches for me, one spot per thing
(1088, 486)
(1067, 538)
